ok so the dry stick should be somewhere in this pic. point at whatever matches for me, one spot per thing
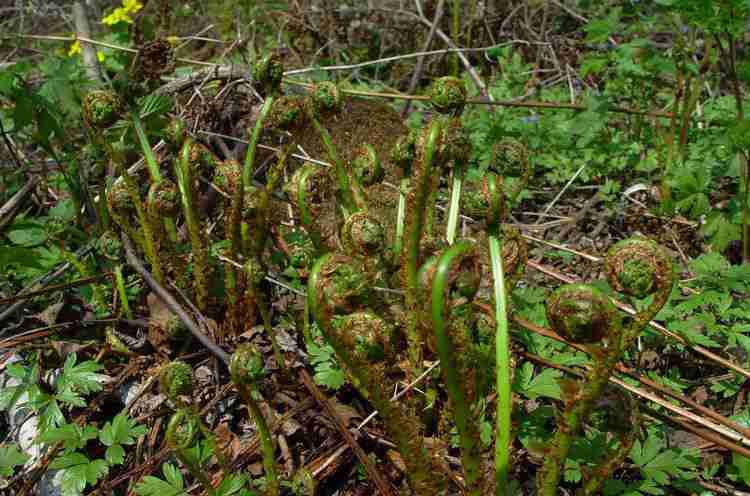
(663, 330)
(394, 58)
(86, 39)
(500, 103)
(735, 448)
(88, 52)
(169, 300)
(562, 192)
(581, 254)
(376, 477)
(726, 422)
(420, 61)
(9, 210)
(50, 289)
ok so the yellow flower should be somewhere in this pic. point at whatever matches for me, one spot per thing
(122, 14)
(132, 6)
(75, 48)
(100, 56)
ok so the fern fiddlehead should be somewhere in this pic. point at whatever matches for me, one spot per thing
(246, 369)
(635, 267)
(339, 288)
(417, 204)
(184, 167)
(456, 277)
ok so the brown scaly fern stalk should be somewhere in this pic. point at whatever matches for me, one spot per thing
(185, 178)
(582, 314)
(267, 74)
(338, 288)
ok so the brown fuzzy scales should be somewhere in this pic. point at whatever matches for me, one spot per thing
(354, 125)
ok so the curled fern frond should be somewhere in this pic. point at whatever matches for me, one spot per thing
(366, 166)
(326, 97)
(366, 334)
(404, 152)
(176, 379)
(448, 95)
(228, 175)
(268, 72)
(101, 108)
(163, 199)
(341, 284)
(363, 234)
(287, 113)
(638, 267)
(581, 313)
(183, 430)
(246, 365)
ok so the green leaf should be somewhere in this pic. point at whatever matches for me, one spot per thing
(154, 486)
(593, 65)
(78, 380)
(122, 430)
(720, 231)
(154, 105)
(599, 30)
(231, 484)
(23, 113)
(662, 464)
(688, 329)
(72, 436)
(11, 457)
(27, 234)
(543, 384)
(78, 472)
(18, 256)
(114, 455)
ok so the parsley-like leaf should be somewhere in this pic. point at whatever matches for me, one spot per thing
(154, 486)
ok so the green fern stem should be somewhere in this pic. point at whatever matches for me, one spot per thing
(417, 203)
(148, 154)
(455, 204)
(249, 167)
(182, 433)
(614, 458)
(467, 428)
(638, 268)
(503, 371)
(347, 201)
(400, 216)
(570, 426)
(262, 221)
(183, 171)
(120, 283)
(246, 369)
(235, 216)
(153, 168)
(306, 214)
(266, 443)
(149, 238)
